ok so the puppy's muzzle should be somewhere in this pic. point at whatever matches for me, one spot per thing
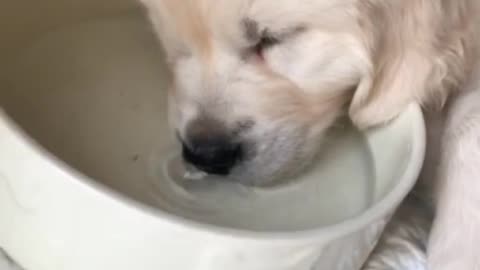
(210, 149)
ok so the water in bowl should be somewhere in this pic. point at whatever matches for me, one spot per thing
(338, 186)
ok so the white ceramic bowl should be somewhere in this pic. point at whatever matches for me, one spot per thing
(55, 217)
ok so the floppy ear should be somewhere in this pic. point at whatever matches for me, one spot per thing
(393, 82)
(419, 52)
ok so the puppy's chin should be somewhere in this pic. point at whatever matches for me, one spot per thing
(278, 165)
(249, 175)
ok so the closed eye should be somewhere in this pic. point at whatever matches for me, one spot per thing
(265, 42)
(258, 38)
(264, 39)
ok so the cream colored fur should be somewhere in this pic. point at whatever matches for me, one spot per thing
(369, 58)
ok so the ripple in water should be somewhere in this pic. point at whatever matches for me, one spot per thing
(338, 186)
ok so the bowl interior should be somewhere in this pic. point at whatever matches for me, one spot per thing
(96, 99)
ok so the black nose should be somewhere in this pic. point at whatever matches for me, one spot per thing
(212, 155)
(210, 146)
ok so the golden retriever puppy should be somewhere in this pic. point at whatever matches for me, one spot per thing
(256, 83)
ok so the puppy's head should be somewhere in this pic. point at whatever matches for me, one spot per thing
(257, 82)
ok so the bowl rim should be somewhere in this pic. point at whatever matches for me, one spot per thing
(376, 212)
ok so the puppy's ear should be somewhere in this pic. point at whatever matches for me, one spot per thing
(394, 81)
(419, 51)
